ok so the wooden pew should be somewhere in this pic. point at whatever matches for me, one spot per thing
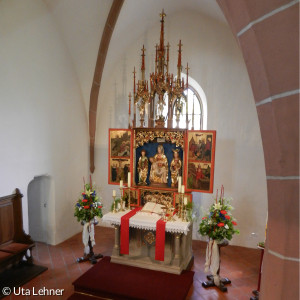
(15, 244)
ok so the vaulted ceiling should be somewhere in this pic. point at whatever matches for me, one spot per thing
(81, 24)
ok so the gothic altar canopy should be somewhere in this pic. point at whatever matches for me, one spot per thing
(158, 162)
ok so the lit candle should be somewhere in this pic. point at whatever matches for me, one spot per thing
(179, 184)
(182, 189)
(121, 183)
(129, 179)
(114, 193)
(185, 200)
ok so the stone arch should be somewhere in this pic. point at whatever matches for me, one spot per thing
(268, 35)
(104, 44)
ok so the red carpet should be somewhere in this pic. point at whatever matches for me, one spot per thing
(120, 282)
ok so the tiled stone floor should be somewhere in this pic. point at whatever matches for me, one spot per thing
(239, 264)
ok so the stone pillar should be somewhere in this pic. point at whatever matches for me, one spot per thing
(177, 249)
(268, 34)
(116, 249)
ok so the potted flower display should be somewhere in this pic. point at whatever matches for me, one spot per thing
(219, 226)
(87, 208)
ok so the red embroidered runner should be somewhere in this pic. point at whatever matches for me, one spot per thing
(124, 247)
(160, 240)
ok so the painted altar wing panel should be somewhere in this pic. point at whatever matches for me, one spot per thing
(119, 155)
(177, 199)
(134, 196)
(200, 160)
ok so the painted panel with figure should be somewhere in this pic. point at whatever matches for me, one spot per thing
(119, 162)
(200, 160)
(134, 196)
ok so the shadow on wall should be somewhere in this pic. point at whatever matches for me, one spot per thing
(39, 209)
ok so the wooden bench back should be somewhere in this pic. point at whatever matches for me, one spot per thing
(11, 220)
(7, 231)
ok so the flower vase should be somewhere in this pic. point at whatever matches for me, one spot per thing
(89, 241)
(213, 262)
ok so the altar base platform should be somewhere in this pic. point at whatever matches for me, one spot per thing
(178, 254)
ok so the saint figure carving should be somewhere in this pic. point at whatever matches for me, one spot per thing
(159, 167)
(175, 168)
(143, 168)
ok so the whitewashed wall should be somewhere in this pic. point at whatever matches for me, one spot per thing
(43, 120)
(217, 65)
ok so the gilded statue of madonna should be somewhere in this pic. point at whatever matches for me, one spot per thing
(143, 168)
(175, 168)
(159, 167)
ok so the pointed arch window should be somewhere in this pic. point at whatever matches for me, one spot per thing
(193, 110)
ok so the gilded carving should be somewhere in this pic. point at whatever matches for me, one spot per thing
(149, 238)
(174, 137)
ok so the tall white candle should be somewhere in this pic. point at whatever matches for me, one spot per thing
(182, 189)
(185, 200)
(114, 193)
(179, 184)
(121, 183)
(129, 179)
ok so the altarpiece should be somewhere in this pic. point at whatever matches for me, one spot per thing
(158, 166)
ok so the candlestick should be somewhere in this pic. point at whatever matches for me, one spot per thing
(121, 196)
(179, 184)
(129, 202)
(185, 200)
(179, 207)
(114, 203)
(129, 179)
(185, 219)
(114, 193)
(182, 189)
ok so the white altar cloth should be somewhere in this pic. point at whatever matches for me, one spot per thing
(148, 222)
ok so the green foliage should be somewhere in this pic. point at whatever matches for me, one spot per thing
(88, 205)
(117, 201)
(189, 211)
(218, 223)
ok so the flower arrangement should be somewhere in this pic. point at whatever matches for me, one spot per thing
(218, 224)
(88, 205)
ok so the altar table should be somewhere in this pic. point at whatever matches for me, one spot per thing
(142, 238)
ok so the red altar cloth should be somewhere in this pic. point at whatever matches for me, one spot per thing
(160, 240)
(124, 247)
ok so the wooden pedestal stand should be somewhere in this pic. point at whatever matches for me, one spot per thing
(256, 292)
(91, 256)
(223, 281)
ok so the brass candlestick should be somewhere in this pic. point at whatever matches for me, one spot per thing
(180, 205)
(185, 219)
(129, 200)
(121, 201)
(114, 204)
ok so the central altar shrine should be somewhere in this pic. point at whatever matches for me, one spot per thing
(157, 166)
